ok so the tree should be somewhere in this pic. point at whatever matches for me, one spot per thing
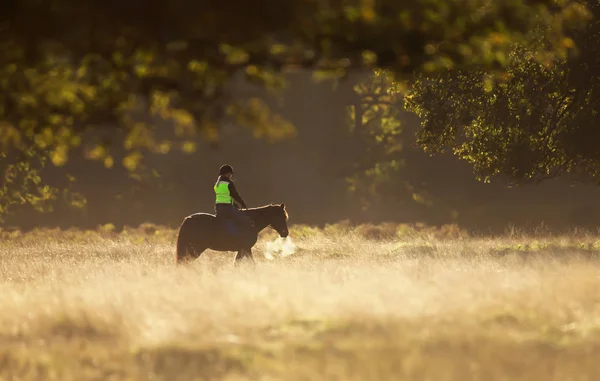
(535, 122)
(374, 122)
(94, 78)
(384, 171)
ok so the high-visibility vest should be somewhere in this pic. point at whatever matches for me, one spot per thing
(222, 193)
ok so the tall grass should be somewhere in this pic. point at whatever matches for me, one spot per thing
(381, 302)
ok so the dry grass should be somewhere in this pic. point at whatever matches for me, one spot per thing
(419, 305)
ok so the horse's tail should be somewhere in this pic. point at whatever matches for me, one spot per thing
(183, 241)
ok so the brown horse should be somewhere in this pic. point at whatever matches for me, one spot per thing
(201, 231)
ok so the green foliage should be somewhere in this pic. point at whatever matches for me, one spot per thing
(381, 172)
(533, 122)
(374, 123)
(115, 80)
(21, 183)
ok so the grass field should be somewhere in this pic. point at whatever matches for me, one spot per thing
(369, 303)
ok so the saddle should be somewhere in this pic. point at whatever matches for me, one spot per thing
(230, 226)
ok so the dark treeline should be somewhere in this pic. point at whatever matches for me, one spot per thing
(121, 111)
(308, 174)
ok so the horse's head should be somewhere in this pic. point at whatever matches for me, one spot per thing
(278, 220)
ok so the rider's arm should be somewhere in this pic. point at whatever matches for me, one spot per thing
(236, 196)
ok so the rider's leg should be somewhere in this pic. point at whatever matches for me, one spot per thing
(230, 212)
(242, 218)
(224, 213)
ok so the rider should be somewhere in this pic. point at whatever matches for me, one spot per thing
(226, 195)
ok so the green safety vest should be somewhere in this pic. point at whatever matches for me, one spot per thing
(222, 192)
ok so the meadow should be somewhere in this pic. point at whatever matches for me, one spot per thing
(386, 302)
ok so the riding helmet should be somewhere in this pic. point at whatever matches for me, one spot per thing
(225, 169)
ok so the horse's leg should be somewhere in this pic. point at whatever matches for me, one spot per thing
(190, 256)
(250, 256)
(242, 256)
(183, 258)
(238, 258)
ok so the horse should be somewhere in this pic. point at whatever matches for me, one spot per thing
(201, 231)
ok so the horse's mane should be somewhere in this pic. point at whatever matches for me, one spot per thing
(270, 206)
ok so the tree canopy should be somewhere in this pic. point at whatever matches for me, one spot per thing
(95, 78)
(534, 122)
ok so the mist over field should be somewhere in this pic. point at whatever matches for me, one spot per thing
(372, 302)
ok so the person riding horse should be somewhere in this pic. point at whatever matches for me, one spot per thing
(226, 197)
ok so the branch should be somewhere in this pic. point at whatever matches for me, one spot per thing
(558, 115)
